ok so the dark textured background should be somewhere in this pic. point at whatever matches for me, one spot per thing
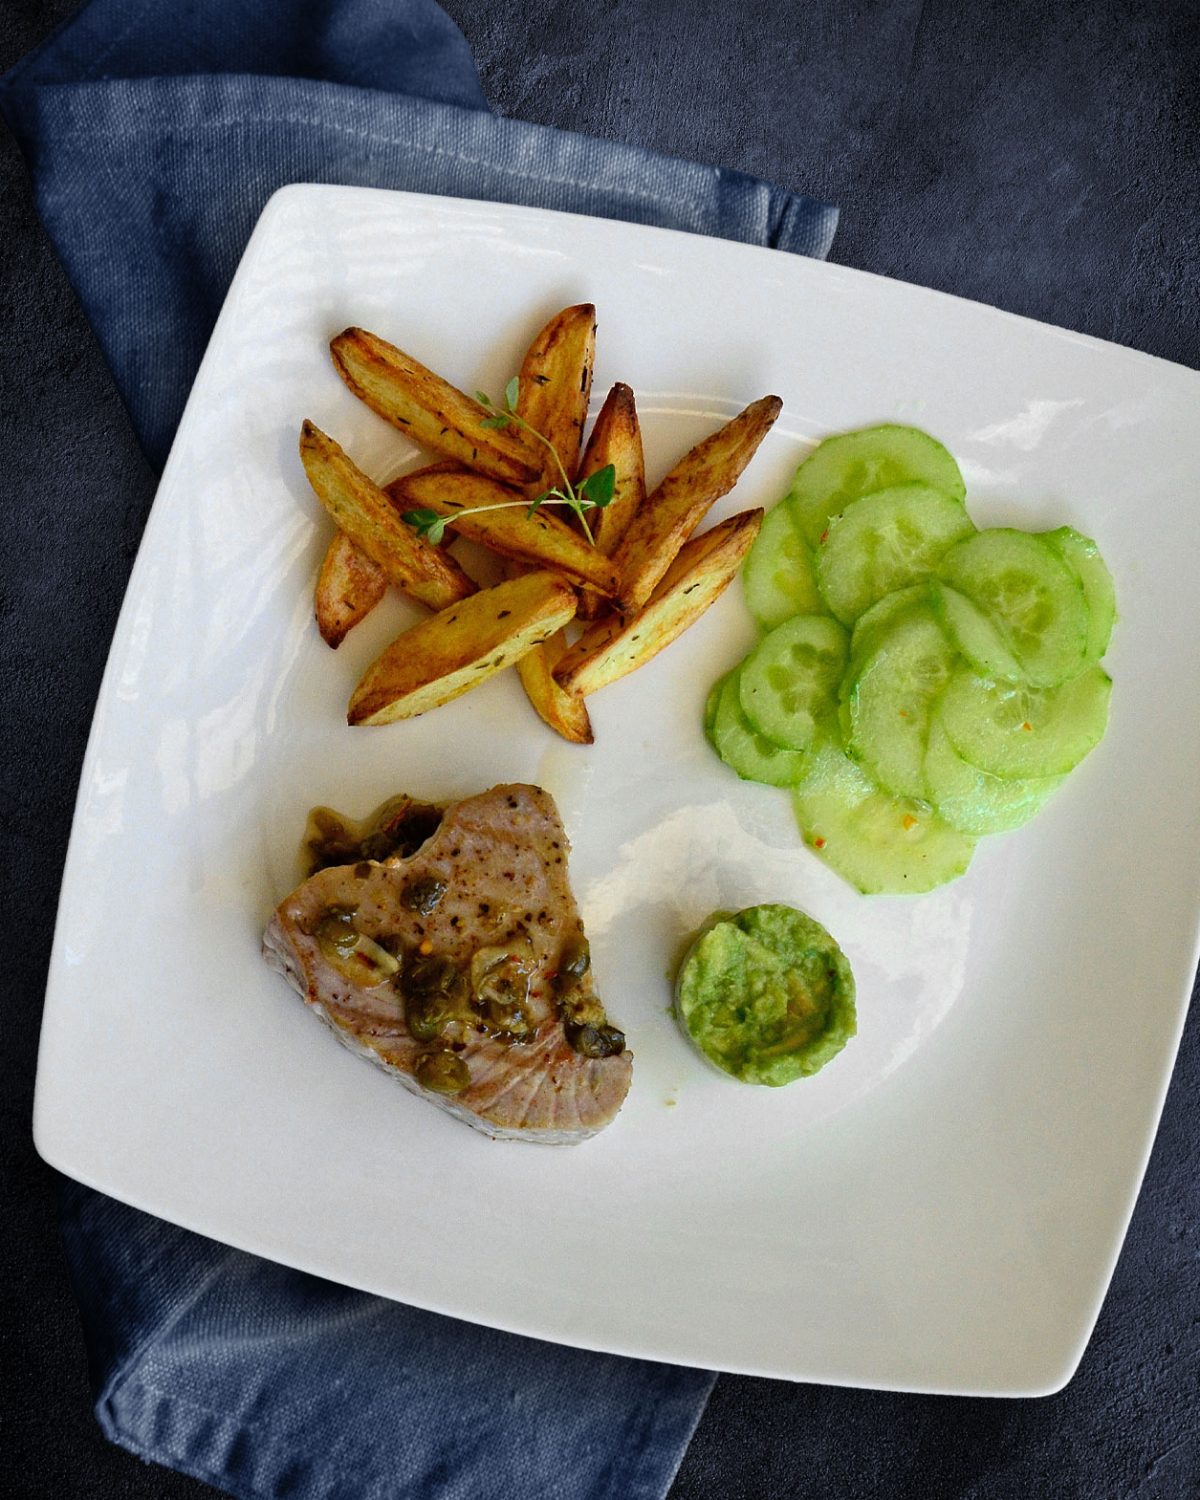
(1042, 158)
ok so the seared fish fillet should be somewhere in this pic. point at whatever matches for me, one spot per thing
(463, 970)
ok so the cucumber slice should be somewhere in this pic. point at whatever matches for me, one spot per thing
(744, 750)
(884, 542)
(710, 707)
(882, 845)
(1015, 729)
(778, 576)
(1082, 555)
(845, 728)
(1032, 595)
(789, 682)
(974, 801)
(870, 625)
(893, 696)
(844, 468)
(973, 633)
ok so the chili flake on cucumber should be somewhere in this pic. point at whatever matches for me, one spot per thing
(919, 682)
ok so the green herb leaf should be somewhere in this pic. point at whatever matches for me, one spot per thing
(427, 523)
(501, 419)
(512, 392)
(483, 398)
(598, 489)
(547, 497)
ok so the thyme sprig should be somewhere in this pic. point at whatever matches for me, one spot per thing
(593, 493)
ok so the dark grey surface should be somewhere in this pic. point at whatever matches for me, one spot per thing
(1040, 158)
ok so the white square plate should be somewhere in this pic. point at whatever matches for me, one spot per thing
(941, 1208)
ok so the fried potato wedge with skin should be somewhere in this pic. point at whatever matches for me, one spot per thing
(556, 386)
(429, 410)
(616, 439)
(681, 501)
(541, 540)
(349, 586)
(612, 647)
(554, 389)
(441, 658)
(363, 511)
(565, 713)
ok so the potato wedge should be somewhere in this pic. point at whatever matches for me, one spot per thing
(349, 586)
(556, 385)
(428, 409)
(541, 540)
(704, 568)
(616, 439)
(460, 647)
(679, 504)
(565, 712)
(554, 390)
(362, 510)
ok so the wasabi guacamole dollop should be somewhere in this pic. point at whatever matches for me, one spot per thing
(766, 995)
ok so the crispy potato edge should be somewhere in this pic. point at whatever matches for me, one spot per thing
(441, 658)
(428, 409)
(610, 649)
(539, 541)
(349, 586)
(365, 513)
(555, 386)
(669, 516)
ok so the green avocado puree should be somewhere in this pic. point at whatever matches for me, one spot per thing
(766, 995)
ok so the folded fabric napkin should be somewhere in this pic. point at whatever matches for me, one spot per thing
(155, 135)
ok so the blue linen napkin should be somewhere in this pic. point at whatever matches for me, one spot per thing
(155, 135)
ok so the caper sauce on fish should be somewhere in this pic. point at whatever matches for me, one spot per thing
(444, 944)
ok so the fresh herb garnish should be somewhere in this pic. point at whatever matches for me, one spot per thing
(427, 523)
(593, 493)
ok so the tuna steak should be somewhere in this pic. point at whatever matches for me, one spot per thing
(461, 966)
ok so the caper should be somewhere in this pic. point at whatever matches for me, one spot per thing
(508, 1020)
(596, 1041)
(335, 932)
(424, 894)
(583, 1010)
(401, 827)
(436, 974)
(328, 840)
(425, 1016)
(443, 1073)
(574, 962)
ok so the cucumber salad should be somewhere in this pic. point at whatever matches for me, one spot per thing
(918, 682)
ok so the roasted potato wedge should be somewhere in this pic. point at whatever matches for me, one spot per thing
(616, 439)
(362, 510)
(704, 567)
(349, 586)
(541, 540)
(565, 712)
(679, 504)
(460, 647)
(556, 385)
(554, 390)
(428, 409)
